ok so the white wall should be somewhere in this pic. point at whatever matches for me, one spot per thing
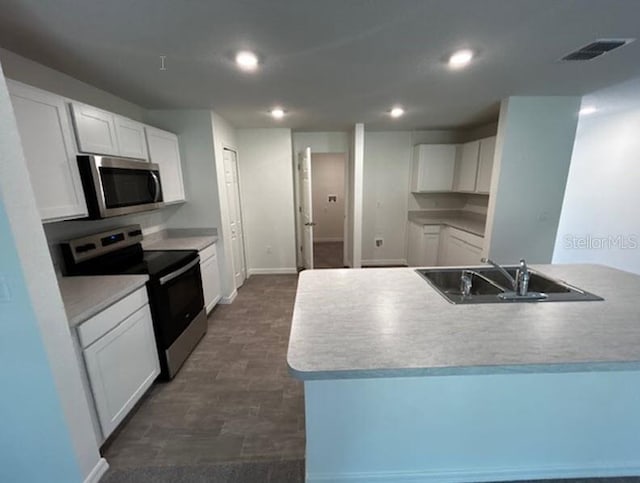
(47, 433)
(25, 70)
(533, 152)
(224, 136)
(328, 178)
(321, 142)
(387, 167)
(266, 190)
(599, 221)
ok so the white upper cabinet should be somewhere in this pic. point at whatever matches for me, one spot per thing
(95, 130)
(485, 164)
(47, 142)
(131, 138)
(164, 150)
(467, 167)
(433, 167)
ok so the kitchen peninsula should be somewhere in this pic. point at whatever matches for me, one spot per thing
(401, 385)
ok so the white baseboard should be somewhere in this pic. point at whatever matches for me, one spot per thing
(327, 239)
(273, 271)
(230, 298)
(481, 475)
(97, 472)
(384, 262)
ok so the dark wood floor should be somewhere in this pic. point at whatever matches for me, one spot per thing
(328, 255)
(232, 402)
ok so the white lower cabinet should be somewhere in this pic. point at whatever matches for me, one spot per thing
(121, 358)
(210, 277)
(460, 248)
(423, 246)
(438, 245)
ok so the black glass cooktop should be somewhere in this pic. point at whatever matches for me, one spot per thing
(133, 260)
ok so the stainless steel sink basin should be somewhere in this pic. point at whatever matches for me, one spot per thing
(488, 285)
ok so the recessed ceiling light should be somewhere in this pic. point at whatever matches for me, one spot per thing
(277, 113)
(247, 60)
(585, 111)
(460, 58)
(396, 112)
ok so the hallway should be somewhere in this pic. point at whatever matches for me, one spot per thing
(328, 255)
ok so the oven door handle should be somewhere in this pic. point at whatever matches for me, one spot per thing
(180, 271)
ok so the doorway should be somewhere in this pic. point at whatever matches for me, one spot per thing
(235, 216)
(328, 202)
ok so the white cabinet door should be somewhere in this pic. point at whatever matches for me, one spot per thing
(460, 248)
(131, 139)
(164, 150)
(210, 281)
(95, 130)
(121, 366)
(47, 141)
(433, 167)
(414, 244)
(485, 164)
(423, 245)
(431, 241)
(468, 167)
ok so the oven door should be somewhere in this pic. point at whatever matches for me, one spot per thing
(176, 300)
(122, 186)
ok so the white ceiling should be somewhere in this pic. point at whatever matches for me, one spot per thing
(329, 63)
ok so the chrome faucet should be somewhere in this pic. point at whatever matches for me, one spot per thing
(513, 281)
(466, 282)
(519, 284)
(522, 278)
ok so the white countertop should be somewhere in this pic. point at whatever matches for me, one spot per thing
(390, 322)
(471, 222)
(181, 239)
(181, 243)
(84, 297)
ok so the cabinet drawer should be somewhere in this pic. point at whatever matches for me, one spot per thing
(207, 253)
(100, 324)
(431, 229)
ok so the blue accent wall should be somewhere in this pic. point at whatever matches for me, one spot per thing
(35, 445)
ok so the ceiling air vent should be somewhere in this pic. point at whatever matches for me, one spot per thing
(596, 49)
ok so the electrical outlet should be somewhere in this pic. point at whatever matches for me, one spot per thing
(379, 242)
(269, 249)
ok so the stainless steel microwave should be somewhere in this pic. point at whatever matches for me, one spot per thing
(117, 186)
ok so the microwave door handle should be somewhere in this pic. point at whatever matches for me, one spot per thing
(180, 271)
(156, 183)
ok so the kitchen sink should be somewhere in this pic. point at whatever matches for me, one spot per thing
(489, 285)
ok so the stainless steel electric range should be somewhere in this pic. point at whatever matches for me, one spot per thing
(174, 286)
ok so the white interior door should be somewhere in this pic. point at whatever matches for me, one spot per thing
(306, 207)
(235, 216)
